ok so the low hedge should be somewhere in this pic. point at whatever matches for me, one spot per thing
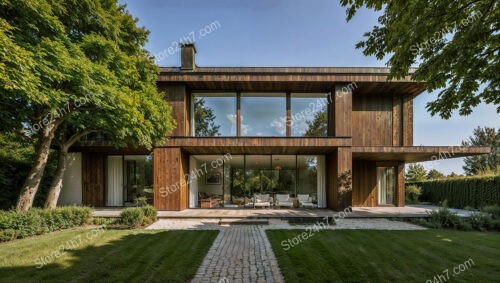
(461, 192)
(135, 217)
(14, 224)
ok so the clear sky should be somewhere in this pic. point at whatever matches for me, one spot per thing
(288, 33)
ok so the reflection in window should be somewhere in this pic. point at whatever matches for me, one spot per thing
(307, 167)
(129, 180)
(214, 114)
(263, 114)
(386, 182)
(309, 116)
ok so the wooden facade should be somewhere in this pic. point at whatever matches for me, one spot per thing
(93, 188)
(370, 124)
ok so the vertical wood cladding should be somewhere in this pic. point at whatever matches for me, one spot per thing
(93, 179)
(382, 120)
(340, 115)
(407, 121)
(364, 182)
(178, 98)
(400, 193)
(170, 188)
(397, 121)
(338, 163)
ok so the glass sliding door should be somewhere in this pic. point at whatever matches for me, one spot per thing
(284, 168)
(259, 178)
(129, 179)
(244, 176)
(308, 176)
(114, 196)
(234, 182)
(138, 179)
(386, 182)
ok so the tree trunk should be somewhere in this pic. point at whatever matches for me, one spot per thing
(32, 181)
(57, 182)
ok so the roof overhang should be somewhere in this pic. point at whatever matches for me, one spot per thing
(311, 79)
(415, 153)
(257, 145)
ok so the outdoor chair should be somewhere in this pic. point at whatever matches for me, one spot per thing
(284, 200)
(262, 200)
(305, 201)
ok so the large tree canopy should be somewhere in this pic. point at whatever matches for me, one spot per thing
(61, 59)
(455, 44)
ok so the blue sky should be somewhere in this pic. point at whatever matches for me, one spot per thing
(289, 33)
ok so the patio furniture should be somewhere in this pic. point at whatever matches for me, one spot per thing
(209, 203)
(306, 201)
(283, 200)
(262, 200)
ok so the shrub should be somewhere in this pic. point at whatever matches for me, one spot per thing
(106, 221)
(37, 221)
(413, 192)
(150, 214)
(480, 221)
(493, 210)
(461, 192)
(445, 218)
(132, 217)
(7, 235)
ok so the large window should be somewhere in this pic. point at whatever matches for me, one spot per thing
(307, 171)
(129, 179)
(259, 114)
(309, 116)
(386, 182)
(244, 176)
(214, 114)
(263, 114)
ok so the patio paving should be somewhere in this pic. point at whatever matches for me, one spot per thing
(358, 212)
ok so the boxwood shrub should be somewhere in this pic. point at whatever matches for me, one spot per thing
(132, 217)
(476, 192)
(39, 221)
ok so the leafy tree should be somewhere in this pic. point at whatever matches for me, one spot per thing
(415, 173)
(318, 127)
(204, 119)
(63, 58)
(435, 174)
(487, 162)
(455, 43)
(452, 175)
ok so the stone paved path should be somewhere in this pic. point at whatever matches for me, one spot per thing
(240, 253)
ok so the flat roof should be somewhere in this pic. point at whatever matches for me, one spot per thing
(367, 80)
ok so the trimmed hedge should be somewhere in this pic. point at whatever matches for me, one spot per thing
(135, 217)
(461, 192)
(14, 224)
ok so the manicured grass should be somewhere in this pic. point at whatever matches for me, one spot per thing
(382, 256)
(110, 256)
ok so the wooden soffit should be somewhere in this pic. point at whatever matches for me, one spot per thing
(414, 153)
(257, 145)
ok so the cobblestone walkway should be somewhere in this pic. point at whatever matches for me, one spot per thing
(240, 253)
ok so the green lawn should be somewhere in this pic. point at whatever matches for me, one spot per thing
(111, 256)
(382, 256)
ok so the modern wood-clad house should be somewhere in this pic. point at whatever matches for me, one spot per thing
(265, 137)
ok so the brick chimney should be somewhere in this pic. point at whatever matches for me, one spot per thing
(188, 52)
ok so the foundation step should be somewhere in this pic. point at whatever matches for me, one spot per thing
(243, 221)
